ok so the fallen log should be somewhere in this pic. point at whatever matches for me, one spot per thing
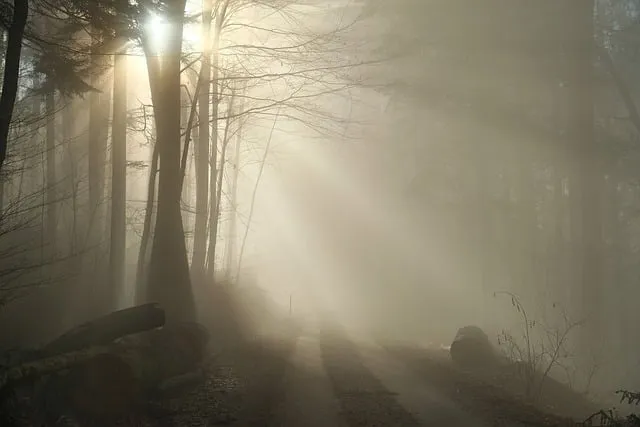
(123, 375)
(107, 382)
(82, 343)
(106, 329)
(109, 365)
(41, 367)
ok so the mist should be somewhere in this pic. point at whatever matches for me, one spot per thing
(400, 169)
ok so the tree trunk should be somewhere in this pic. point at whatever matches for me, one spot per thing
(263, 162)
(223, 157)
(3, 49)
(71, 193)
(169, 281)
(117, 251)
(98, 122)
(213, 162)
(141, 276)
(202, 150)
(213, 174)
(586, 163)
(188, 104)
(98, 227)
(51, 185)
(232, 231)
(105, 329)
(11, 72)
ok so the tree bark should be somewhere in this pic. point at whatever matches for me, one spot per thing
(106, 329)
(148, 219)
(11, 72)
(169, 282)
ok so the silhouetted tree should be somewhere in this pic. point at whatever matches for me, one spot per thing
(15, 34)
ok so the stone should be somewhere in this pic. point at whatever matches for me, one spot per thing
(471, 349)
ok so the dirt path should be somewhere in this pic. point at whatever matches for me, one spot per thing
(308, 399)
(472, 396)
(364, 400)
(424, 401)
(324, 379)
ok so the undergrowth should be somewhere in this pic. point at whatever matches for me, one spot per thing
(610, 418)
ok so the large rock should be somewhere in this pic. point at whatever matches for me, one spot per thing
(471, 349)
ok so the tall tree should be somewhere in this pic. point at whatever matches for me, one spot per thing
(11, 72)
(51, 190)
(97, 140)
(232, 231)
(221, 16)
(202, 148)
(169, 281)
(148, 220)
(71, 181)
(586, 171)
(117, 251)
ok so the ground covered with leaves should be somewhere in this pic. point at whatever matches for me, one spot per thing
(242, 386)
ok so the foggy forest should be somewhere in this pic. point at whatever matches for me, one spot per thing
(319, 213)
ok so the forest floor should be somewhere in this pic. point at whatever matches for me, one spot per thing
(321, 377)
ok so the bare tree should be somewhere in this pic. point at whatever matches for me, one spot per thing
(221, 17)
(202, 149)
(230, 250)
(254, 194)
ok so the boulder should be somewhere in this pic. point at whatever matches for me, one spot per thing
(471, 349)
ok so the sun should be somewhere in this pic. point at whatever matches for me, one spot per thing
(157, 29)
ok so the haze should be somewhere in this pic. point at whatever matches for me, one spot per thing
(406, 168)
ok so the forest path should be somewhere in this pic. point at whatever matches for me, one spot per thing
(309, 399)
(374, 388)
(324, 377)
(424, 401)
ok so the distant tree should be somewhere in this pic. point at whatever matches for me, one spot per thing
(202, 156)
(117, 249)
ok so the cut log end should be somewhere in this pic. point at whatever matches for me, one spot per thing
(102, 388)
